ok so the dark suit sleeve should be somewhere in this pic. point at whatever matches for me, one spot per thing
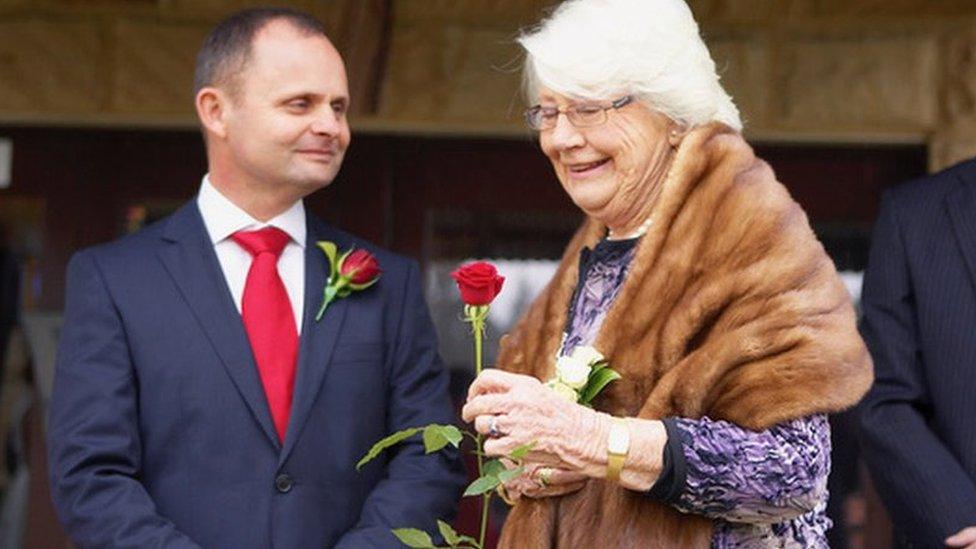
(93, 432)
(925, 488)
(418, 488)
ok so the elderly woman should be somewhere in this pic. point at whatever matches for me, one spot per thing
(699, 279)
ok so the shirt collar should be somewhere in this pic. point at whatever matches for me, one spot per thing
(223, 218)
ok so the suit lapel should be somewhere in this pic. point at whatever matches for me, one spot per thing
(319, 339)
(961, 203)
(189, 257)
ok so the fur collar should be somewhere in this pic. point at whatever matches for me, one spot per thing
(731, 309)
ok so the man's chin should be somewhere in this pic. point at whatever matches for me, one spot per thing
(312, 183)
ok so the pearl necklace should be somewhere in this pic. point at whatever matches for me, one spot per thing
(637, 233)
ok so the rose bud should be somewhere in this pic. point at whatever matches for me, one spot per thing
(360, 267)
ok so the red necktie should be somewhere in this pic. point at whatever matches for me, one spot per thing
(269, 321)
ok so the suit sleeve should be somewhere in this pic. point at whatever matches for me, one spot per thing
(923, 485)
(93, 431)
(418, 488)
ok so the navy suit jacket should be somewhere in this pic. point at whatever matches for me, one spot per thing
(919, 301)
(159, 431)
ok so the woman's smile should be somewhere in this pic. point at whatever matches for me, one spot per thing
(583, 170)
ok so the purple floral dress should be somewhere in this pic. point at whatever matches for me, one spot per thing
(762, 489)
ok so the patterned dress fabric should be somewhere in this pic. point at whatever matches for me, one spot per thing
(762, 489)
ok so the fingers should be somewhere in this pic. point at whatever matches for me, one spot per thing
(963, 538)
(489, 382)
(497, 381)
(551, 481)
(553, 491)
(483, 424)
(554, 476)
(490, 404)
(560, 483)
(500, 446)
(509, 497)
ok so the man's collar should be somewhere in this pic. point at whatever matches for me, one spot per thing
(223, 218)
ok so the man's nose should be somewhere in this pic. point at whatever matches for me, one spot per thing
(329, 122)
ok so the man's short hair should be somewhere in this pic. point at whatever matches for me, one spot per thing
(227, 48)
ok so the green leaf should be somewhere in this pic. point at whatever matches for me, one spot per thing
(385, 443)
(521, 451)
(492, 468)
(597, 383)
(438, 436)
(510, 474)
(330, 250)
(481, 485)
(411, 537)
(450, 536)
(470, 540)
(453, 435)
(359, 287)
(342, 259)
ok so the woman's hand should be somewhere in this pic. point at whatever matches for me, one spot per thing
(964, 538)
(514, 410)
(539, 481)
(563, 434)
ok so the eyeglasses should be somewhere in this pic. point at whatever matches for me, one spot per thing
(581, 115)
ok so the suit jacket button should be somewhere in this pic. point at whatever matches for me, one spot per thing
(283, 483)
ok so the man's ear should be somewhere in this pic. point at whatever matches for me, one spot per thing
(212, 105)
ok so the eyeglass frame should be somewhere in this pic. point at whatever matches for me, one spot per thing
(535, 109)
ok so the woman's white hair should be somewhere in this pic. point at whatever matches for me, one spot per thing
(651, 49)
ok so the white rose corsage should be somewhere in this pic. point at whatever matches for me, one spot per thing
(582, 375)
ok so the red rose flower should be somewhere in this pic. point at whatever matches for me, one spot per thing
(360, 267)
(479, 283)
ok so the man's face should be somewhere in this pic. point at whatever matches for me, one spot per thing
(286, 121)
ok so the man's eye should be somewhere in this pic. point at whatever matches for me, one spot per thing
(339, 108)
(298, 104)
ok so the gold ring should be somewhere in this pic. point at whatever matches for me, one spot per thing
(544, 476)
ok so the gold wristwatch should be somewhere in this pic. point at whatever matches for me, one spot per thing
(618, 443)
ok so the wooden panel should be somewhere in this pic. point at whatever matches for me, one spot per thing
(851, 83)
(49, 66)
(153, 73)
(360, 30)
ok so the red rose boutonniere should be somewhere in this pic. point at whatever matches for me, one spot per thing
(352, 271)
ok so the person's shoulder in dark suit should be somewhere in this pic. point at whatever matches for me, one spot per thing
(390, 262)
(919, 205)
(926, 193)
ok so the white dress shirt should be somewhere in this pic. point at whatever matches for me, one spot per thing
(223, 218)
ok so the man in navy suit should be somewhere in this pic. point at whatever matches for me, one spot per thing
(919, 300)
(197, 401)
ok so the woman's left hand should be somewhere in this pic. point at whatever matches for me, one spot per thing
(539, 481)
(564, 435)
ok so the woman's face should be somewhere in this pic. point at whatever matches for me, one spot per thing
(608, 169)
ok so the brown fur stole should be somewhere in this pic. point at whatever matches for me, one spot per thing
(731, 309)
